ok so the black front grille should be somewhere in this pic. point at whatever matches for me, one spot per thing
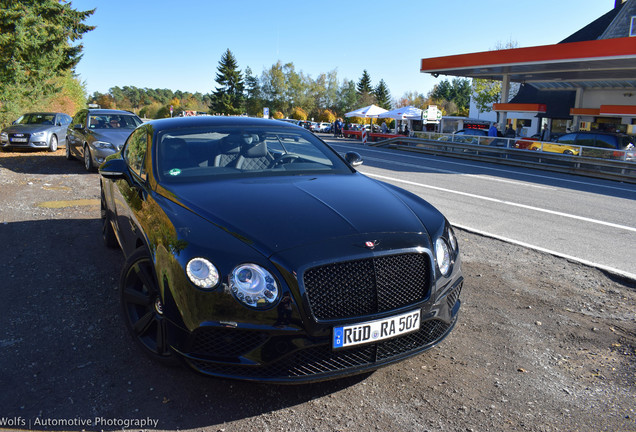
(367, 286)
(223, 343)
(322, 360)
(430, 332)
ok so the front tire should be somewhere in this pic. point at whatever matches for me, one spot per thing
(69, 155)
(88, 160)
(53, 144)
(143, 307)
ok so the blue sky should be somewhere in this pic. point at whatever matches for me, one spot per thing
(178, 44)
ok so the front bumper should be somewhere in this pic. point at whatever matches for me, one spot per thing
(287, 356)
(99, 155)
(35, 143)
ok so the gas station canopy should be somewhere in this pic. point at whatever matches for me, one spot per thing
(602, 63)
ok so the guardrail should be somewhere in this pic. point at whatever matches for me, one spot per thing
(502, 151)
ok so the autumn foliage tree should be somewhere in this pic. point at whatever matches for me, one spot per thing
(327, 116)
(298, 113)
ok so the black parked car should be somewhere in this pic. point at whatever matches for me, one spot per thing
(254, 251)
(38, 130)
(95, 134)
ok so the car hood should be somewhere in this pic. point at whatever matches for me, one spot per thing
(278, 213)
(27, 128)
(114, 136)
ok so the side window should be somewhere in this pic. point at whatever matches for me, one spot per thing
(586, 140)
(66, 119)
(567, 138)
(605, 141)
(135, 151)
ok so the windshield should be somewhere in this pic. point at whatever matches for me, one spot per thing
(113, 121)
(187, 155)
(37, 119)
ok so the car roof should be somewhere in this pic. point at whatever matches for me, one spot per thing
(207, 121)
(601, 133)
(42, 112)
(108, 111)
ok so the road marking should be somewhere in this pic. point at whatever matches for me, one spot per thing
(56, 188)
(502, 170)
(510, 203)
(68, 203)
(551, 252)
(480, 176)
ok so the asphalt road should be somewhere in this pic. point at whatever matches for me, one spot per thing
(591, 221)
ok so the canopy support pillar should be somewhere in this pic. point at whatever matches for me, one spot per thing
(505, 91)
(578, 100)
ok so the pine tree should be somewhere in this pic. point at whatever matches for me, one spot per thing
(228, 97)
(36, 47)
(364, 90)
(364, 85)
(458, 92)
(253, 101)
(382, 95)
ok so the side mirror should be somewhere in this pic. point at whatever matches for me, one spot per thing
(353, 158)
(78, 126)
(113, 168)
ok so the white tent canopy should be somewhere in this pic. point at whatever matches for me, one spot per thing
(403, 113)
(366, 112)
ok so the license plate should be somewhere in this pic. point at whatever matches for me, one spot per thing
(19, 139)
(373, 331)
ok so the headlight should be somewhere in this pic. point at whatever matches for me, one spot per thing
(103, 145)
(452, 239)
(202, 273)
(443, 257)
(4, 136)
(254, 286)
(38, 134)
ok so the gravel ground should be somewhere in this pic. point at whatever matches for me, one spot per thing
(542, 344)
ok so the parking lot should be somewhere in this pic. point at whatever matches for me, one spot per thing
(542, 344)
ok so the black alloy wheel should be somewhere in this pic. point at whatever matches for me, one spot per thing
(143, 308)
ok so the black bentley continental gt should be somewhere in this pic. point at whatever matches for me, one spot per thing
(255, 251)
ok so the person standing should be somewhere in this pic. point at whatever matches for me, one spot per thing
(492, 131)
(545, 136)
(510, 132)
